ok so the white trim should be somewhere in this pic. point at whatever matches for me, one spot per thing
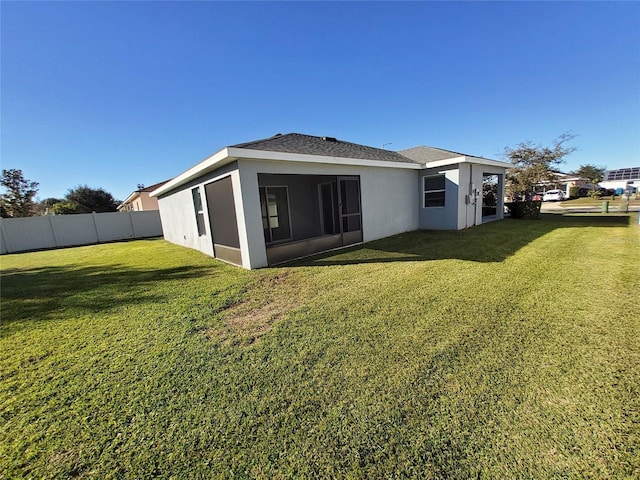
(213, 162)
(129, 199)
(466, 159)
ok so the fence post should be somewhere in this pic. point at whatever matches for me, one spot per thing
(53, 231)
(133, 229)
(95, 226)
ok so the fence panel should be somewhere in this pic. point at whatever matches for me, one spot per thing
(51, 231)
(146, 224)
(30, 233)
(112, 226)
(72, 230)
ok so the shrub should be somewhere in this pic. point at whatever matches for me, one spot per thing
(595, 193)
(528, 209)
(574, 192)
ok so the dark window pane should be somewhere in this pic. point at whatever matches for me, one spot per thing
(434, 183)
(434, 199)
(200, 222)
(197, 201)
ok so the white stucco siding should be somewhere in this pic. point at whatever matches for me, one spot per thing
(179, 220)
(471, 180)
(178, 215)
(390, 201)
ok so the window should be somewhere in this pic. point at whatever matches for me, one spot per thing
(274, 205)
(197, 206)
(434, 191)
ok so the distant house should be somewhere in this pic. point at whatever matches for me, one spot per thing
(140, 200)
(564, 181)
(622, 179)
(264, 202)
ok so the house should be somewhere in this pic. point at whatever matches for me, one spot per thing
(563, 181)
(622, 180)
(264, 202)
(140, 200)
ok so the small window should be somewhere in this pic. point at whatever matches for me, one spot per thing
(434, 191)
(197, 206)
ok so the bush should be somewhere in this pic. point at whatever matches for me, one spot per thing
(574, 192)
(595, 194)
(528, 209)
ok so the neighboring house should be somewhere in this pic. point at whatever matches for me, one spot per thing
(140, 199)
(264, 202)
(622, 179)
(564, 182)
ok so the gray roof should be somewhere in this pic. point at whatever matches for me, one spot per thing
(430, 154)
(325, 146)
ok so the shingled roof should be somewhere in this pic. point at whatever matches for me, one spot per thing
(429, 154)
(325, 146)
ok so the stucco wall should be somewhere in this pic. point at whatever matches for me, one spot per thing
(440, 218)
(147, 203)
(463, 202)
(179, 217)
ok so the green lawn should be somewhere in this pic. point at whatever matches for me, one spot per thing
(618, 201)
(510, 350)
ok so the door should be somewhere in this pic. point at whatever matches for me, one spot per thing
(350, 217)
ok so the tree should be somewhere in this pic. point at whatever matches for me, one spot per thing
(18, 200)
(85, 199)
(534, 164)
(594, 173)
(42, 207)
(63, 208)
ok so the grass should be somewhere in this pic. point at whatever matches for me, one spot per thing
(510, 350)
(614, 201)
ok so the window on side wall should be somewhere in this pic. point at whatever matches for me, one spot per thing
(434, 191)
(197, 206)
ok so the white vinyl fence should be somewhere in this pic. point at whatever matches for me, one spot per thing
(51, 231)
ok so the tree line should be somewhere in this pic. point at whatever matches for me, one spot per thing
(19, 198)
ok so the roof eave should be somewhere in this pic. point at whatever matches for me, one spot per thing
(230, 154)
(466, 159)
(217, 160)
(130, 198)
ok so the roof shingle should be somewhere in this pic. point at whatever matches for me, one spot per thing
(325, 146)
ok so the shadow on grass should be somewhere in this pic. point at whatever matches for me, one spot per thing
(491, 242)
(35, 294)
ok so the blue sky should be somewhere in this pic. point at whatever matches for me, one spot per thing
(112, 94)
